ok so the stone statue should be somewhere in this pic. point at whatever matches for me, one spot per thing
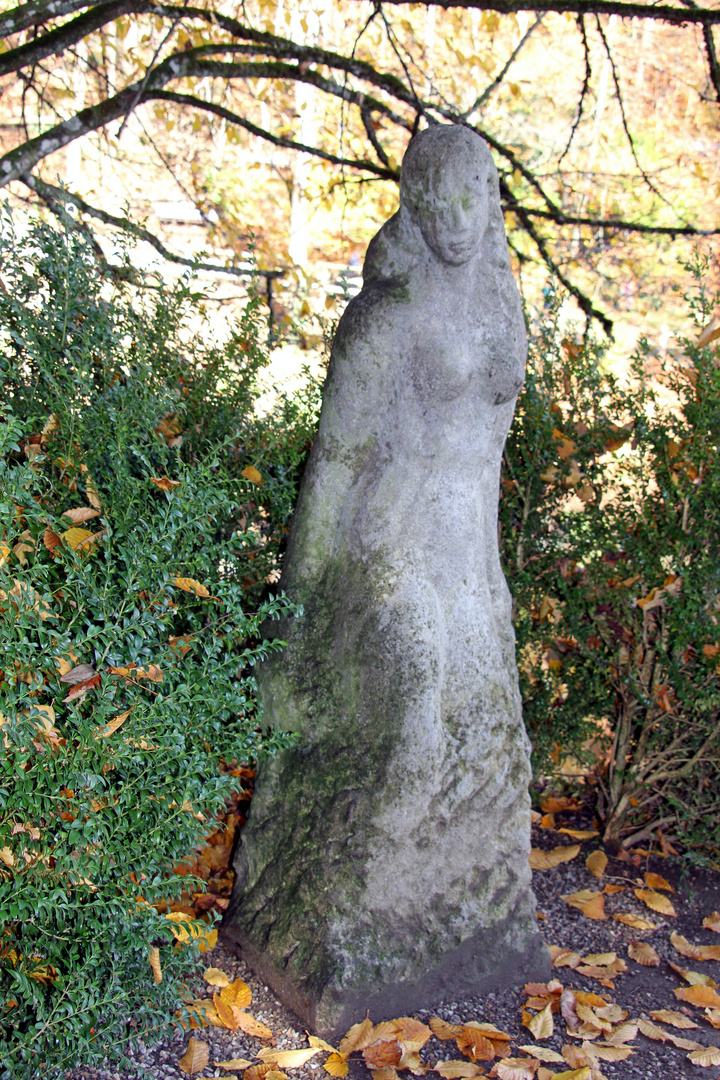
(385, 862)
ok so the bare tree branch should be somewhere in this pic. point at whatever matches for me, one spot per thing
(662, 12)
(479, 102)
(585, 86)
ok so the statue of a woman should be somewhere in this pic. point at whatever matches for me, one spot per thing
(384, 864)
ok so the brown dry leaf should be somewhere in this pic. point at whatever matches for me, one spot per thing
(80, 514)
(336, 1065)
(712, 922)
(358, 1037)
(657, 881)
(611, 890)
(636, 921)
(580, 899)
(596, 863)
(590, 1017)
(605, 959)
(111, 727)
(7, 856)
(288, 1059)
(595, 1001)
(580, 834)
(411, 1033)
(382, 1055)
(51, 540)
(656, 901)
(388, 1072)
(585, 1073)
(595, 909)
(576, 1057)
(196, 1058)
(80, 673)
(152, 672)
(624, 1033)
(704, 996)
(676, 1019)
(258, 1072)
(237, 994)
(643, 953)
(564, 957)
(695, 952)
(568, 1007)
(454, 1069)
(385, 1031)
(80, 689)
(251, 474)
(541, 1025)
(542, 1053)
(546, 860)
(695, 978)
(164, 483)
(515, 1069)
(708, 1055)
(155, 964)
(474, 1044)
(554, 804)
(234, 1063)
(547, 821)
(250, 1025)
(711, 332)
(713, 1017)
(441, 1029)
(190, 585)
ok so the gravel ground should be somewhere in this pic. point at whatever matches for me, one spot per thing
(638, 990)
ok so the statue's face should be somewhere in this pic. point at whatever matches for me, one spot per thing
(453, 219)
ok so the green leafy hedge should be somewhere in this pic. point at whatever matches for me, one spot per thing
(143, 507)
(610, 516)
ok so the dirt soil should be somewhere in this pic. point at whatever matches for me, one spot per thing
(639, 990)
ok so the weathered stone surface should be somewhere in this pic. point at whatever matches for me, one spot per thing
(385, 862)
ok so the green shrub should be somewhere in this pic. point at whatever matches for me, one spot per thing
(142, 504)
(610, 519)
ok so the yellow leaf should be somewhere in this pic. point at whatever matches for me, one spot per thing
(225, 1012)
(454, 1069)
(541, 1025)
(704, 996)
(542, 1053)
(515, 1069)
(80, 540)
(288, 1059)
(564, 957)
(320, 1044)
(694, 952)
(358, 1037)
(113, 725)
(709, 1055)
(601, 959)
(164, 483)
(712, 922)
(215, 977)
(196, 1058)
(7, 856)
(237, 994)
(472, 1042)
(636, 921)
(337, 1066)
(610, 1053)
(251, 474)
(643, 953)
(580, 899)
(580, 834)
(574, 1074)
(155, 964)
(713, 1017)
(234, 1063)
(250, 1025)
(92, 493)
(152, 672)
(207, 940)
(546, 860)
(657, 881)
(5, 552)
(596, 863)
(595, 909)
(695, 978)
(656, 901)
(676, 1019)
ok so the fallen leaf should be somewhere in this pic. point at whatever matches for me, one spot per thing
(196, 1058)
(288, 1059)
(152, 672)
(541, 1025)
(695, 978)
(451, 1070)
(258, 1072)
(81, 540)
(623, 1034)
(704, 996)
(382, 1055)
(713, 1017)
(596, 863)
(580, 834)
(250, 1025)
(234, 1063)
(515, 1068)
(694, 952)
(473, 1042)
(7, 856)
(542, 1053)
(164, 483)
(78, 674)
(710, 332)
(359, 1036)
(80, 689)
(320, 1044)
(51, 540)
(568, 1009)
(215, 977)
(336, 1065)
(595, 909)
(676, 1019)
(225, 1012)
(656, 901)
(643, 953)
(585, 1073)
(80, 514)
(546, 860)
(636, 921)
(600, 959)
(611, 1053)
(441, 1029)
(709, 1055)
(580, 899)
(111, 727)
(155, 963)
(250, 473)
(657, 881)
(712, 922)
(564, 957)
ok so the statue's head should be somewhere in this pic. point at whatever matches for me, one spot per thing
(447, 181)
